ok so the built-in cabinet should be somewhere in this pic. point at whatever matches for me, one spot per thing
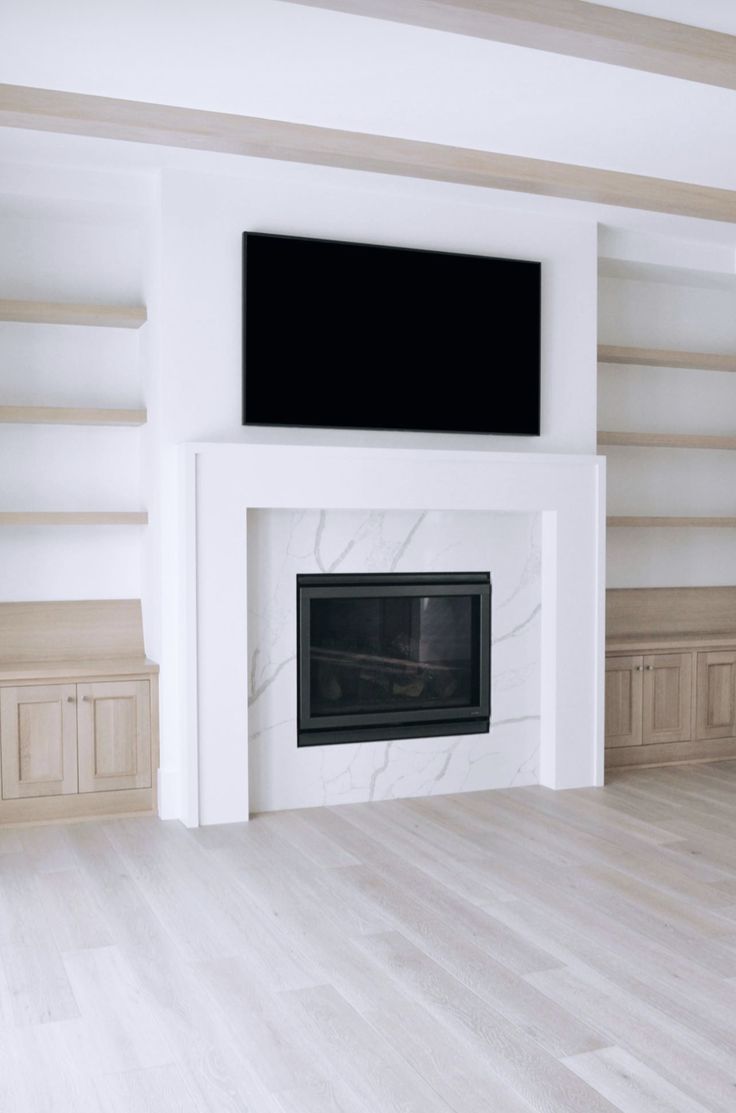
(66, 313)
(38, 740)
(716, 686)
(649, 699)
(63, 739)
(78, 726)
(670, 696)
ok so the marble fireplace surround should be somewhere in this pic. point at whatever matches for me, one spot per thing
(222, 482)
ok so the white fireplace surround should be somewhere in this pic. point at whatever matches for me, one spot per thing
(223, 481)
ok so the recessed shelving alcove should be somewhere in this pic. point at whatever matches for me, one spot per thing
(673, 387)
(80, 315)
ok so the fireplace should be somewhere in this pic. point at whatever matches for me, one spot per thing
(392, 656)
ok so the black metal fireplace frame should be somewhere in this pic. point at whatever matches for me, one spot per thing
(377, 726)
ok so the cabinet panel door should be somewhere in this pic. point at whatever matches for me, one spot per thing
(114, 735)
(716, 695)
(38, 740)
(668, 686)
(623, 701)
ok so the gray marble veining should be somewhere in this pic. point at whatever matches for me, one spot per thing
(283, 543)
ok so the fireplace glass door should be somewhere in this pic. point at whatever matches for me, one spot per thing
(393, 656)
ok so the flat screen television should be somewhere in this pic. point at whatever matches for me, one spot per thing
(356, 336)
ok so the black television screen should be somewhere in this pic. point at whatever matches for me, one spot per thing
(349, 335)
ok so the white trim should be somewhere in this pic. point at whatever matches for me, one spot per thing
(230, 479)
(191, 664)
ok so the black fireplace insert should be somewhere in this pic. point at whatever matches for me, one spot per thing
(393, 656)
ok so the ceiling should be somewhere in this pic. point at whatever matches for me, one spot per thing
(279, 60)
(716, 15)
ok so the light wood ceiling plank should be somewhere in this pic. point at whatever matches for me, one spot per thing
(574, 28)
(194, 129)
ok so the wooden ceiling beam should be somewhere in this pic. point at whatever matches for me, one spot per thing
(163, 125)
(571, 27)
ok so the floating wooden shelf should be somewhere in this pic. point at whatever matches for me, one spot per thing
(66, 313)
(73, 518)
(666, 440)
(65, 415)
(660, 357)
(677, 523)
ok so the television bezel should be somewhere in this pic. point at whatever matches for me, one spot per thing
(387, 247)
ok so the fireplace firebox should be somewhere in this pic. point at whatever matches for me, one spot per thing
(393, 656)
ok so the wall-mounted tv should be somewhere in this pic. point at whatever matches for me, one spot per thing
(356, 336)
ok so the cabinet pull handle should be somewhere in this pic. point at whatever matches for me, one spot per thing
(639, 668)
(70, 699)
(650, 668)
(87, 699)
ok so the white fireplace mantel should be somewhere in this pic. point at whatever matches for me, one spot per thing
(223, 481)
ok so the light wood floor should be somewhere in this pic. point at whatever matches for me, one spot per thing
(488, 953)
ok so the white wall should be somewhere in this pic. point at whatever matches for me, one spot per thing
(203, 218)
(203, 221)
(667, 314)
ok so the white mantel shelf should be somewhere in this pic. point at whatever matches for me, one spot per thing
(221, 482)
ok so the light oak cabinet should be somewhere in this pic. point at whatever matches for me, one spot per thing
(78, 711)
(667, 698)
(114, 735)
(38, 740)
(648, 699)
(624, 689)
(670, 675)
(670, 707)
(62, 739)
(716, 697)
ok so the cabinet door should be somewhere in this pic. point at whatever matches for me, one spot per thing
(38, 740)
(668, 687)
(716, 692)
(114, 735)
(623, 701)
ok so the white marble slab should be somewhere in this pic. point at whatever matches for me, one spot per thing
(282, 543)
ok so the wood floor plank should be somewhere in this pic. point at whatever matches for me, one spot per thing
(47, 848)
(120, 1017)
(472, 963)
(450, 1064)
(630, 1085)
(318, 847)
(205, 1050)
(155, 1090)
(518, 951)
(73, 915)
(32, 966)
(506, 947)
(322, 1096)
(10, 840)
(581, 899)
(367, 1063)
(261, 1023)
(176, 883)
(42, 1070)
(328, 957)
(682, 990)
(678, 1053)
(518, 1060)
(382, 836)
